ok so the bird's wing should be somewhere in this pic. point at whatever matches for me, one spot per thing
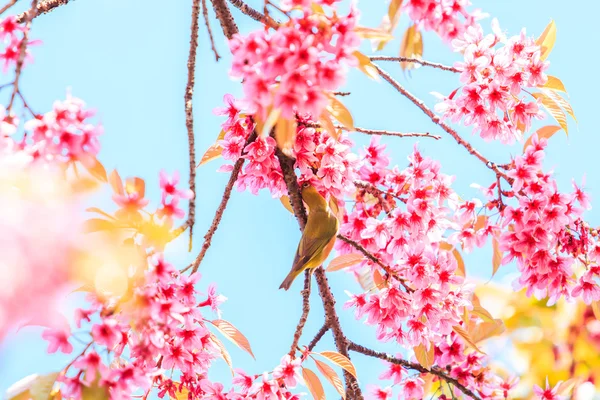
(324, 231)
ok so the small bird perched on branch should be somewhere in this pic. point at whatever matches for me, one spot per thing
(318, 237)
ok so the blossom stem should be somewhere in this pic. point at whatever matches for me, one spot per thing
(42, 7)
(208, 28)
(220, 210)
(7, 6)
(414, 366)
(22, 54)
(414, 60)
(436, 120)
(305, 311)
(189, 114)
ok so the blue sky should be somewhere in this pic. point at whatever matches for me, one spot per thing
(127, 59)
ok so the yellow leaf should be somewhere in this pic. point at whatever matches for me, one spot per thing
(596, 308)
(336, 209)
(97, 225)
(545, 132)
(115, 182)
(373, 33)
(561, 102)
(332, 377)
(480, 311)
(460, 268)
(546, 40)
(467, 338)
(313, 383)
(327, 124)
(554, 109)
(97, 170)
(496, 256)
(285, 134)
(42, 386)
(182, 394)
(565, 388)
(365, 280)
(340, 112)
(233, 334)
(340, 360)
(135, 185)
(485, 330)
(411, 46)
(223, 350)
(343, 261)
(213, 151)
(285, 200)
(554, 84)
(270, 122)
(424, 356)
(366, 66)
(317, 8)
(394, 13)
(83, 185)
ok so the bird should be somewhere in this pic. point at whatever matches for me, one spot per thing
(318, 237)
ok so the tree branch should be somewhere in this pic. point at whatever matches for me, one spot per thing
(189, 114)
(415, 60)
(254, 14)
(318, 336)
(208, 28)
(42, 7)
(436, 120)
(305, 311)
(237, 167)
(225, 18)
(7, 6)
(391, 133)
(331, 318)
(414, 366)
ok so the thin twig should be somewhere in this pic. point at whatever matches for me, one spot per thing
(414, 60)
(189, 114)
(374, 259)
(22, 54)
(305, 311)
(43, 7)
(219, 213)
(414, 366)
(341, 93)
(391, 133)
(254, 14)
(436, 120)
(208, 28)
(7, 6)
(318, 336)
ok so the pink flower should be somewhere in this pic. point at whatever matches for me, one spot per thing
(289, 371)
(106, 333)
(58, 339)
(548, 393)
(92, 364)
(377, 393)
(170, 210)
(168, 184)
(413, 388)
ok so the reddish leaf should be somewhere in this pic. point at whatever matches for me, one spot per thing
(545, 132)
(213, 151)
(327, 124)
(424, 356)
(340, 360)
(116, 183)
(332, 377)
(378, 279)
(343, 261)
(496, 257)
(485, 330)
(313, 383)
(480, 222)
(233, 334)
(467, 338)
(340, 112)
(480, 311)
(223, 350)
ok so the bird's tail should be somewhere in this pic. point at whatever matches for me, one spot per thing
(287, 282)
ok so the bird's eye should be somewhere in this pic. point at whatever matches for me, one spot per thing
(305, 184)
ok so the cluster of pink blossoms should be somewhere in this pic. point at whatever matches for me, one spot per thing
(328, 163)
(448, 18)
(493, 98)
(12, 35)
(545, 234)
(294, 66)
